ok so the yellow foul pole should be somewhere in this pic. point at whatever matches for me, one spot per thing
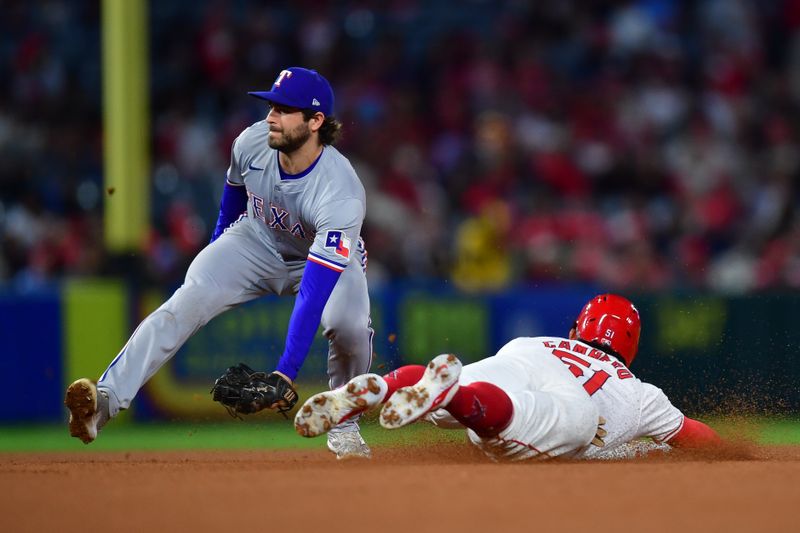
(126, 124)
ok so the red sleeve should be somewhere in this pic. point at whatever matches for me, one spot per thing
(695, 434)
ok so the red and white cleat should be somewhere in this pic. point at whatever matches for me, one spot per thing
(320, 413)
(437, 387)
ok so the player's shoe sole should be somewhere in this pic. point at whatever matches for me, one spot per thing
(327, 409)
(435, 389)
(81, 400)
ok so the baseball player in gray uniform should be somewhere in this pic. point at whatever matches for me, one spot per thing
(289, 223)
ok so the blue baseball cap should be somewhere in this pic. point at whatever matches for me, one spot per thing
(301, 88)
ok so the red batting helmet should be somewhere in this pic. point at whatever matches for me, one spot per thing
(612, 322)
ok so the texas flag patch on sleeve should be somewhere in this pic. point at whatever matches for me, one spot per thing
(339, 242)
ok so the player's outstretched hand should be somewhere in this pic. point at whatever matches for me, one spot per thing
(244, 391)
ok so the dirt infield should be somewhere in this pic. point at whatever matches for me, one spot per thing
(447, 488)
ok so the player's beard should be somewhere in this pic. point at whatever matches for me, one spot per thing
(291, 140)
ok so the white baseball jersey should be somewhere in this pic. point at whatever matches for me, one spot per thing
(559, 388)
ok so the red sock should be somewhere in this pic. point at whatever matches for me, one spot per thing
(484, 408)
(402, 377)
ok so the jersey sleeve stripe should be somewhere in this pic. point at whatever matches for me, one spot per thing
(325, 262)
(672, 433)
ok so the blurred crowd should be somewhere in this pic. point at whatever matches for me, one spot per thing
(636, 145)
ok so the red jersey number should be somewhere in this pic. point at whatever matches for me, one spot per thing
(576, 366)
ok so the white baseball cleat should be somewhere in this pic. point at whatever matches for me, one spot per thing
(437, 387)
(88, 409)
(348, 445)
(323, 411)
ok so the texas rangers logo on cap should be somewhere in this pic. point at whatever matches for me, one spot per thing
(301, 88)
(339, 242)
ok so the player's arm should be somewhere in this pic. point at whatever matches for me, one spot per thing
(694, 434)
(234, 197)
(231, 207)
(316, 287)
(664, 422)
(324, 266)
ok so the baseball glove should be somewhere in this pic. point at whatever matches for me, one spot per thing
(244, 391)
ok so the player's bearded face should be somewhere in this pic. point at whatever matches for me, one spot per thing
(289, 140)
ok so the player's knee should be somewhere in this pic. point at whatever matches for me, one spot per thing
(345, 330)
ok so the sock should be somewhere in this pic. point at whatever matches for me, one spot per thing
(484, 408)
(402, 377)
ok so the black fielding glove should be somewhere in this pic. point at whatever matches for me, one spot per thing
(244, 391)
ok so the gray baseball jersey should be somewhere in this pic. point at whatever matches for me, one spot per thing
(295, 213)
(316, 216)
